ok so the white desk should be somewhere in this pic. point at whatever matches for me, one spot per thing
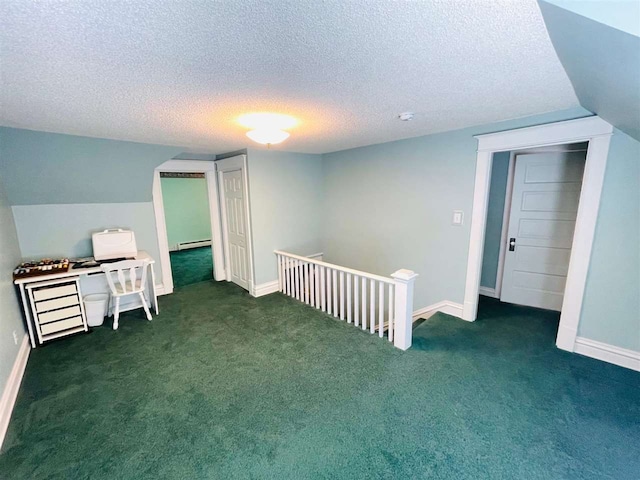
(71, 275)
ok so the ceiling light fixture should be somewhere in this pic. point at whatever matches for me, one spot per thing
(268, 136)
(267, 128)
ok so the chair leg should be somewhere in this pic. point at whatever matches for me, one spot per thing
(116, 313)
(145, 306)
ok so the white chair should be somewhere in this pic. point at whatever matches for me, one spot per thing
(122, 286)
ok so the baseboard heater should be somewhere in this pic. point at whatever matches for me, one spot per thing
(194, 244)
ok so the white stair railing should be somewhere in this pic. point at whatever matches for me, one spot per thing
(371, 302)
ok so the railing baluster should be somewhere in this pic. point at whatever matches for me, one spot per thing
(305, 271)
(335, 293)
(316, 282)
(390, 329)
(348, 298)
(356, 300)
(329, 292)
(323, 297)
(312, 296)
(372, 311)
(297, 273)
(380, 309)
(287, 267)
(341, 295)
(364, 303)
(279, 262)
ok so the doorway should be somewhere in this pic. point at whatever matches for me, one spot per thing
(597, 133)
(531, 215)
(219, 244)
(188, 220)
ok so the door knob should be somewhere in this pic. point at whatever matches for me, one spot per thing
(512, 244)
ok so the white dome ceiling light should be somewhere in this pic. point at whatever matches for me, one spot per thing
(268, 136)
(267, 128)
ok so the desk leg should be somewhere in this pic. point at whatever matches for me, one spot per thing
(27, 313)
(153, 290)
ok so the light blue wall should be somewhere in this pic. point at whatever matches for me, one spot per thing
(65, 230)
(76, 185)
(186, 209)
(611, 307)
(495, 212)
(602, 63)
(285, 191)
(10, 315)
(621, 14)
(49, 168)
(389, 206)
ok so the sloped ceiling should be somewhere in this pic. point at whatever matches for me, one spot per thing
(179, 72)
(602, 61)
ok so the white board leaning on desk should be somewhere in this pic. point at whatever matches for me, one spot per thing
(87, 281)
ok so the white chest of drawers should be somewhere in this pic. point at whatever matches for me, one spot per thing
(56, 308)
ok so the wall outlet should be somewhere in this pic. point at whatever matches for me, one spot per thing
(15, 337)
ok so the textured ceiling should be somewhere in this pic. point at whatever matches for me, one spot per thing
(180, 72)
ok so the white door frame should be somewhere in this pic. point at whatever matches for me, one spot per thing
(188, 166)
(232, 164)
(591, 129)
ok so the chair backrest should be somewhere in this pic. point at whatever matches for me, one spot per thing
(117, 273)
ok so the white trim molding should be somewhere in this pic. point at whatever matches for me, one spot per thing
(161, 290)
(192, 166)
(488, 292)
(608, 353)
(11, 389)
(265, 288)
(591, 129)
(316, 256)
(446, 306)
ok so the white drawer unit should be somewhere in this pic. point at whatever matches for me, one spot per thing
(56, 308)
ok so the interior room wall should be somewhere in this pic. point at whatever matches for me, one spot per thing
(10, 314)
(611, 306)
(186, 210)
(495, 213)
(64, 187)
(390, 206)
(285, 191)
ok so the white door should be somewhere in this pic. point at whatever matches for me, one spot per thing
(544, 205)
(234, 221)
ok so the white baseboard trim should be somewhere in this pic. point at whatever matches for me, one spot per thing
(450, 308)
(608, 353)
(488, 292)
(12, 387)
(265, 288)
(316, 256)
(161, 290)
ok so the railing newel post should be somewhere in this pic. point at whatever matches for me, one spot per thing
(404, 281)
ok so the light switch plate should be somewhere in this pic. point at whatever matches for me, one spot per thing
(458, 217)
